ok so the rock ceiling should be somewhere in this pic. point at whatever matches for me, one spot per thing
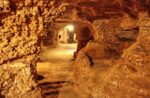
(93, 9)
(96, 9)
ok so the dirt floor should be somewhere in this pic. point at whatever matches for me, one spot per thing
(55, 70)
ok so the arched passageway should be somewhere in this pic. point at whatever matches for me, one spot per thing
(67, 34)
(116, 63)
(56, 63)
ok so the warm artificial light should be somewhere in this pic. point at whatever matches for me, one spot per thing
(70, 27)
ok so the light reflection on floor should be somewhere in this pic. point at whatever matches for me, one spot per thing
(55, 66)
(61, 52)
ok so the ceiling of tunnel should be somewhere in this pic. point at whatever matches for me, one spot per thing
(90, 10)
(82, 10)
(94, 9)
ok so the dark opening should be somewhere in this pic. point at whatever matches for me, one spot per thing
(83, 37)
(59, 36)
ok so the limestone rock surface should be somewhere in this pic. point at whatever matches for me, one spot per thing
(125, 77)
(116, 36)
(23, 23)
(96, 50)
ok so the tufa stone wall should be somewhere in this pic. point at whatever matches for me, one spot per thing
(137, 57)
(126, 77)
(112, 36)
(22, 26)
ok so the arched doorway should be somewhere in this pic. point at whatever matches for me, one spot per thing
(67, 34)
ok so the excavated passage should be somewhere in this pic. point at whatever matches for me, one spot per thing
(55, 70)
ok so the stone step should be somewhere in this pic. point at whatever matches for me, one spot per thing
(52, 89)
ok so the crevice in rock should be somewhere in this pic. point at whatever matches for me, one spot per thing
(91, 60)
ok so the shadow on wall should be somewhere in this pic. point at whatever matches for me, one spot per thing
(1, 96)
(83, 37)
(50, 39)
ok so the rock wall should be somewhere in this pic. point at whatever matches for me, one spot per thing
(51, 39)
(137, 57)
(112, 36)
(126, 77)
(22, 26)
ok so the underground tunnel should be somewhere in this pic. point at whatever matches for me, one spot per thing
(74, 48)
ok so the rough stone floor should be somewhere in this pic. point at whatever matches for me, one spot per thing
(55, 69)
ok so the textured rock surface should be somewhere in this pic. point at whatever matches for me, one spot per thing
(23, 23)
(127, 77)
(137, 57)
(115, 33)
(17, 80)
(22, 26)
(107, 78)
(96, 50)
(112, 36)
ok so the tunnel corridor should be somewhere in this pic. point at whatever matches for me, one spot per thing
(55, 70)
(74, 48)
(57, 59)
